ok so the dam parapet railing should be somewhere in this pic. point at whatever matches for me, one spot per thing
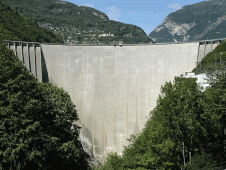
(219, 40)
(201, 42)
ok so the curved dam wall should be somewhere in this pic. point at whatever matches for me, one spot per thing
(115, 88)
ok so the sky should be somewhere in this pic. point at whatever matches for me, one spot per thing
(147, 14)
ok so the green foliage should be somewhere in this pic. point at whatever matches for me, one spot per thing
(202, 162)
(13, 26)
(37, 129)
(114, 162)
(215, 113)
(173, 131)
(78, 24)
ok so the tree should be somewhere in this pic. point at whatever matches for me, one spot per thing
(174, 133)
(215, 112)
(37, 129)
(114, 162)
(202, 162)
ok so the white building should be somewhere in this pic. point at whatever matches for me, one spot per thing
(106, 35)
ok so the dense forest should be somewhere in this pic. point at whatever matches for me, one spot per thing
(187, 128)
(78, 24)
(13, 26)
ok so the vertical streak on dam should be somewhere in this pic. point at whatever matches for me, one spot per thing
(115, 88)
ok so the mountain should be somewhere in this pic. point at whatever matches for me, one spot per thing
(200, 21)
(78, 24)
(13, 26)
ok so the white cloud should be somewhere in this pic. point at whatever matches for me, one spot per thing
(175, 6)
(88, 5)
(113, 13)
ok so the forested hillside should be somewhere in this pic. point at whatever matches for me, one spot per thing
(37, 129)
(78, 24)
(187, 128)
(13, 26)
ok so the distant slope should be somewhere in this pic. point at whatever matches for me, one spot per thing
(13, 26)
(200, 21)
(78, 24)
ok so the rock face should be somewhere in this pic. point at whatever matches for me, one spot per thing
(201, 21)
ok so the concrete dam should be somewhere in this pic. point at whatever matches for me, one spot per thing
(113, 87)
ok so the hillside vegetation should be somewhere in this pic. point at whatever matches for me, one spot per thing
(187, 128)
(78, 24)
(13, 26)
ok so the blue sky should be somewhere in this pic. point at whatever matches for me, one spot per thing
(146, 14)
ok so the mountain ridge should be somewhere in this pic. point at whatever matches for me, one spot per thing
(199, 21)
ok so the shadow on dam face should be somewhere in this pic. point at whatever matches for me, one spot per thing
(45, 75)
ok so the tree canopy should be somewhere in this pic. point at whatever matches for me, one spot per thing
(37, 121)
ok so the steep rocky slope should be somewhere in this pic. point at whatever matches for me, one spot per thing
(204, 20)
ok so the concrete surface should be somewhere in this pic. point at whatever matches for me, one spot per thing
(115, 88)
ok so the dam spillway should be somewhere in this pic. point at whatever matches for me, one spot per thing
(114, 87)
